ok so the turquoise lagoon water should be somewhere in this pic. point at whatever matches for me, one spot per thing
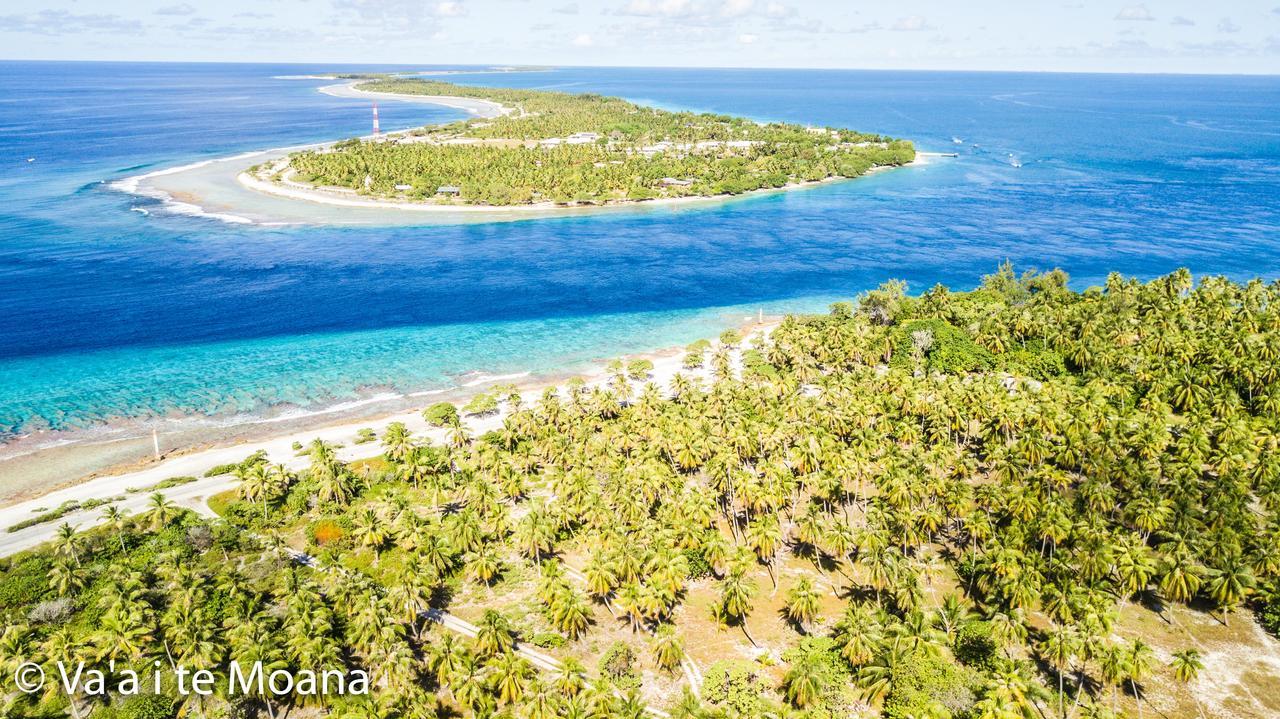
(114, 307)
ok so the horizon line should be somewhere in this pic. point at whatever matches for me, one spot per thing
(556, 66)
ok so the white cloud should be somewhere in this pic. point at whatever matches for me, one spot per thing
(179, 9)
(1135, 12)
(583, 40)
(450, 9)
(737, 8)
(1225, 25)
(659, 8)
(1182, 21)
(61, 22)
(777, 10)
(748, 38)
(570, 9)
(395, 16)
(911, 23)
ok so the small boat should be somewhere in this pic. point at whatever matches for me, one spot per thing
(31, 159)
(957, 140)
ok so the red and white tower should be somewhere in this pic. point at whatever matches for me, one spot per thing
(376, 129)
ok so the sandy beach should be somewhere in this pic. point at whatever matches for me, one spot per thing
(129, 487)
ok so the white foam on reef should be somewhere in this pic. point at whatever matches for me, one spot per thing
(339, 407)
(134, 185)
(482, 378)
(426, 393)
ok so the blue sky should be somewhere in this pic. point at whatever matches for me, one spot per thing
(1238, 36)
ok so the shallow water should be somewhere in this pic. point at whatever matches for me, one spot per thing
(112, 307)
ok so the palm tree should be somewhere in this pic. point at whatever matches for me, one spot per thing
(1059, 648)
(444, 657)
(116, 519)
(668, 649)
(803, 683)
(65, 542)
(161, 512)
(736, 593)
(802, 602)
(510, 677)
(369, 530)
(494, 635)
(397, 439)
(485, 565)
(571, 678)
(1229, 585)
(569, 613)
(256, 485)
(64, 578)
(1187, 666)
(1137, 666)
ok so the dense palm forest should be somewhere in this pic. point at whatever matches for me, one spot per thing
(953, 504)
(622, 152)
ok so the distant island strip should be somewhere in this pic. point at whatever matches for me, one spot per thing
(529, 149)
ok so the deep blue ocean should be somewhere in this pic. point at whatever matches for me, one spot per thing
(109, 313)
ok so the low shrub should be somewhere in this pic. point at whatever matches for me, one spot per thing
(256, 458)
(618, 663)
(975, 646)
(934, 345)
(24, 582)
(327, 531)
(733, 685)
(441, 414)
(148, 706)
(482, 404)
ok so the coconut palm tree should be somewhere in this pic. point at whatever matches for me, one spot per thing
(668, 649)
(569, 613)
(802, 602)
(66, 542)
(1060, 648)
(509, 677)
(494, 635)
(116, 518)
(1187, 666)
(1138, 664)
(161, 511)
(803, 684)
(736, 594)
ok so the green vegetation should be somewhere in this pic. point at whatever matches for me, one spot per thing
(253, 460)
(584, 149)
(171, 482)
(61, 511)
(481, 404)
(941, 536)
(441, 414)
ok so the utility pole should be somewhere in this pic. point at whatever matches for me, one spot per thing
(155, 441)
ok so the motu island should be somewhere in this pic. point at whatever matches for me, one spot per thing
(545, 149)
